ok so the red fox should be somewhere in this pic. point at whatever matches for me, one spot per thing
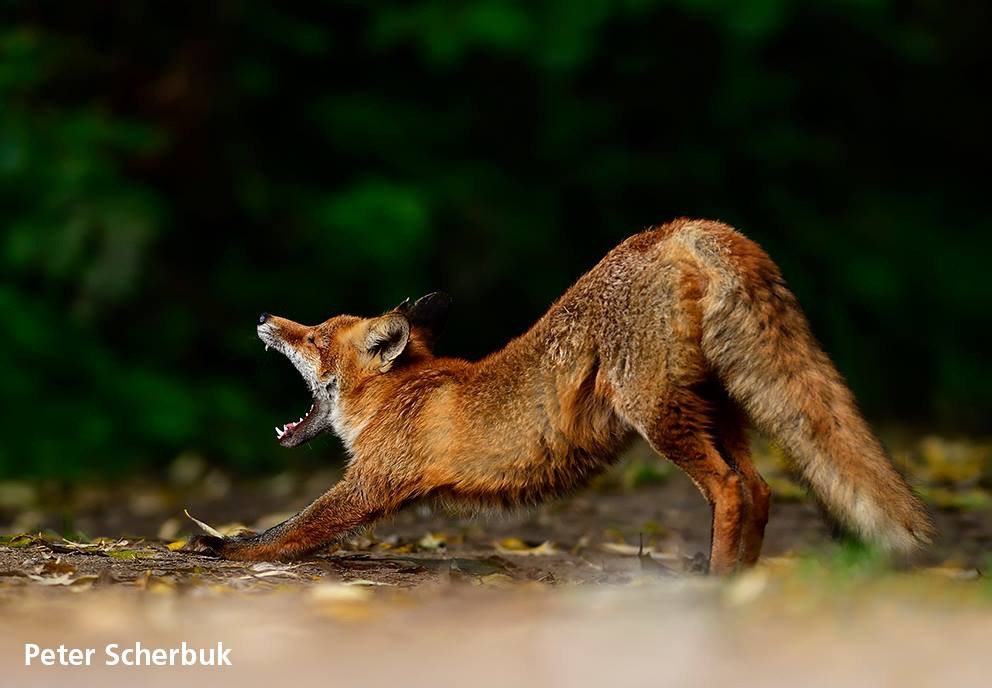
(684, 334)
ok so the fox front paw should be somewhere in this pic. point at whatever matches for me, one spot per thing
(206, 545)
(248, 547)
(239, 547)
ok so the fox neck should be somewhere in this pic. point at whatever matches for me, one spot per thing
(346, 427)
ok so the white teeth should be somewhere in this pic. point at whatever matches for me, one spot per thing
(266, 347)
(280, 433)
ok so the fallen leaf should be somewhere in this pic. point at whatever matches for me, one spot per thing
(496, 580)
(624, 548)
(83, 583)
(432, 541)
(269, 566)
(60, 579)
(57, 566)
(746, 588)
(154, 584)
(339, 592)
(270, 574)
(86, 546)
(22, 540)
(518, 547)
(209, 530)
(341, 601)
(953, 572)
(265, 569)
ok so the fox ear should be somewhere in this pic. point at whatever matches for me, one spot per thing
(428, 314)
(387, 338)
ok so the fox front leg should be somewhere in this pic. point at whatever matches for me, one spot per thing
(335, 513)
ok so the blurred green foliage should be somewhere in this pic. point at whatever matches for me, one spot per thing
(168, 171)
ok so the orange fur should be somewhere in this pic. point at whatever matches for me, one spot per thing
(681, 334)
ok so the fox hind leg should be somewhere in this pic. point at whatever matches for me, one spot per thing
(664, 394)
(680, 430)
(730, 429)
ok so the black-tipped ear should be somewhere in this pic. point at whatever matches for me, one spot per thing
(387, 338)
(429, 314)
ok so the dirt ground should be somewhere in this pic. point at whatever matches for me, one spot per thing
(602, 588)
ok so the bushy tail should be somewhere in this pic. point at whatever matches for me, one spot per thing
(758, 341)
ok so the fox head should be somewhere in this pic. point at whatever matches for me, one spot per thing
(346, 352)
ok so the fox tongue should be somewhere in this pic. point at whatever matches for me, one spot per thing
(288, 427)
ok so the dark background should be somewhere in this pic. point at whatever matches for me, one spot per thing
(168, 170)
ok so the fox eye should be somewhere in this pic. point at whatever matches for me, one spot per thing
(310, 338)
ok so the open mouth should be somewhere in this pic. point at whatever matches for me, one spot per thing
(298, 430)
(317, 418)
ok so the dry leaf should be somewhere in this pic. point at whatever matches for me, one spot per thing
(22, 540)
(746, 588)
(61, 579)
(269, 566)
(518, 547)
(58, 566)
(341, 601)
(83, 583)
(265, 569)
(155, 584)
(100, 545)
(495, 580)
(339, 592)
(625, 549)
(953, 572)
(209, 530)
(432, 541)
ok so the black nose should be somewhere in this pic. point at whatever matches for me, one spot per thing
(262, 318)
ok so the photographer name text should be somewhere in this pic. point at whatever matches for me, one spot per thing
(136, 655)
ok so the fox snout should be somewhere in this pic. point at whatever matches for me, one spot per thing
(274, 330)
(266, 331)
